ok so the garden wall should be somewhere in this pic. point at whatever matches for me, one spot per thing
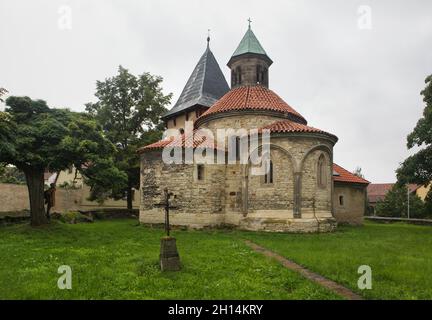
(14, 198)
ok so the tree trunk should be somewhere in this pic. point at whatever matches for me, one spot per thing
(129, 195)
(35, 185)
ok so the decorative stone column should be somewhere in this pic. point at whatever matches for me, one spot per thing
(297, 194)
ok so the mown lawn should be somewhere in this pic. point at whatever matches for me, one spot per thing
(119, 260)
(400, 256)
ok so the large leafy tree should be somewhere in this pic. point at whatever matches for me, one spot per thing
(418, 167)
(36, 138)
(129, 109)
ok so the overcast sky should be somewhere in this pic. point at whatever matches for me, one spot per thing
(358, 80)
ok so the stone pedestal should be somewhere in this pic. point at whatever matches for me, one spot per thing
(169, 257)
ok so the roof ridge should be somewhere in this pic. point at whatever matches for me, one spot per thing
(205, 69)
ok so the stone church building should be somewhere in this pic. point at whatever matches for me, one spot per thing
(301, 191)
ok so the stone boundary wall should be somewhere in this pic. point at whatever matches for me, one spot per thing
(14, 198)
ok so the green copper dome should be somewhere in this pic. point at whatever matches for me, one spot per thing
(249, 45)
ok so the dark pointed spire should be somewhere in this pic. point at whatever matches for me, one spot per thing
(205, 86)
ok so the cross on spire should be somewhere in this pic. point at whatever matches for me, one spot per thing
(250, 21)
(208, 38)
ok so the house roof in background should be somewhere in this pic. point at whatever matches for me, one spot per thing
(377, 191)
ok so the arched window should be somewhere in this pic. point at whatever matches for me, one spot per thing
(268, 177)
(239, 77)
(259, 75)
(233, 78)
(322, 172)
(341, 201)
(265, 77)
(200, 172)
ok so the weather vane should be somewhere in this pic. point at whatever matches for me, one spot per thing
(208, 37)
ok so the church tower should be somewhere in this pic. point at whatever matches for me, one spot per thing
(205, 86)
(249, 63)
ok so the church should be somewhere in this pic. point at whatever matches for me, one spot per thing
(300, 190)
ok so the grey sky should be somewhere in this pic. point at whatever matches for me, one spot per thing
(362, 85)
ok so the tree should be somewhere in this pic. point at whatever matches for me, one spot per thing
(395, 203)
(36, 138)
(418, 167)
(10, 174)
(129, 109)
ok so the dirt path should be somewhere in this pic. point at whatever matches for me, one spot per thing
(329, 284)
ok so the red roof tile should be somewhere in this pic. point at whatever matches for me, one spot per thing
(291, 126)
(198, 140)
(343, 175)
(377, 191)
(252, 98)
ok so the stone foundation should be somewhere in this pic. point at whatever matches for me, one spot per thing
(270, 221)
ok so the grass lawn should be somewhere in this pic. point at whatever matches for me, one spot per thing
(400, 256)
(118, 259)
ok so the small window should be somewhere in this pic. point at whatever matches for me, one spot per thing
(268, 177)
(174, 122)
(237, 146)
(187, 116)
(200, 172)
(265, 77)
(239, 76)
(258, 74)
(233, 78)
(341, 201)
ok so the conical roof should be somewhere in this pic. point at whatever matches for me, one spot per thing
(249, 44)
(258, 98)
(205, 85)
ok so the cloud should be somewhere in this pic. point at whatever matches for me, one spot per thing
(362, 85)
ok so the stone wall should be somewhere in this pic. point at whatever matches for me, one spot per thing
(229, 193)
(248, 67)
(14, 198)
(190, 194)
(241, 121)
(352, 208)
(278, 195)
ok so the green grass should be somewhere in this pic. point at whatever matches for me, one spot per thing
(119, 260)
(400, 256)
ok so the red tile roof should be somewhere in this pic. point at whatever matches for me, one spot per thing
(198, 140)
(291, 126)
(377, 191)
(343, 175)
(252, 98)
